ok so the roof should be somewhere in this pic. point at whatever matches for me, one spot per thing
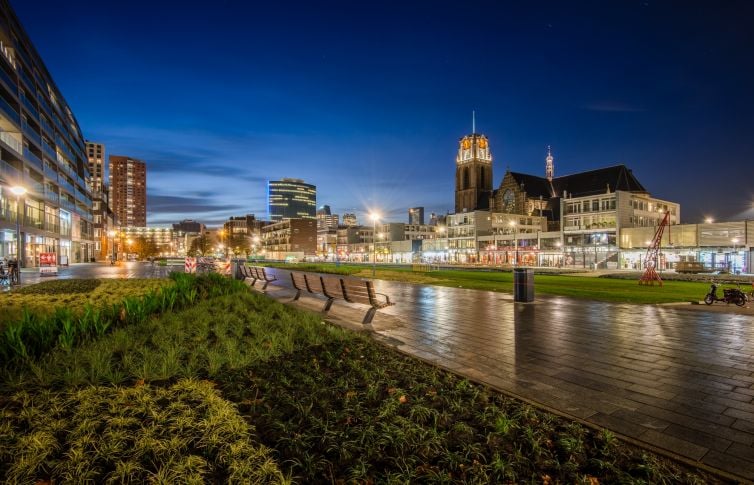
(618, 177)
(534, 186)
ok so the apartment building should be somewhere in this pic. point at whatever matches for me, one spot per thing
(42, 154)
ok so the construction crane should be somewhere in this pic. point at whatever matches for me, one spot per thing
(653, 251)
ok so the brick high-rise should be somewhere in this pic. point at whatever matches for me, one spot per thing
(128, 190)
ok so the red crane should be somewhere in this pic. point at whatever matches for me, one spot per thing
(650, 261)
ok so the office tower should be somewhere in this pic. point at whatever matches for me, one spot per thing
(128, 190)
(291, 199)
(349, 220)
(42, 153)
(416, 215)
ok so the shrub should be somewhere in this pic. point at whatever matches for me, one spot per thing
(56, 287)
(185, 433)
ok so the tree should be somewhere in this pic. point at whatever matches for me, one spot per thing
(239, 243)
(144, 247)
(200, 245)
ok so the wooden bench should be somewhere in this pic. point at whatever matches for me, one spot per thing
(348, 289)
(246, 273)
(256, 273)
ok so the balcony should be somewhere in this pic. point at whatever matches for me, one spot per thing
(28, 81)
(35, 160)
(32, 135)
(64, 183)
(12, 142)
(30, 107)
(10, 111)
(51, 173)
(8, 80)
(10, 173)
(67, 205)
(49, 151)
(52, 196)
(48, 128)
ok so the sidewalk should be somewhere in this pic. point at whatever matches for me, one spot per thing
(677, 380)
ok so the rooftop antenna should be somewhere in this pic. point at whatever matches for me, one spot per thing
(473, 121)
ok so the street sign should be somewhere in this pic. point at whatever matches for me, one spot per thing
(48, 264)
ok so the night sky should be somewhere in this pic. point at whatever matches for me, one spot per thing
(367, 100)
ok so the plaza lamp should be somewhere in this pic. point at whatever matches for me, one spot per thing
(18, 191)
(112, 235)
(735, 252)
(375, 217)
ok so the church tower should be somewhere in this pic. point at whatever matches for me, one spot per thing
(549, 165)
(473, 173)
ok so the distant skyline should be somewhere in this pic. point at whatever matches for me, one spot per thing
(367, 101)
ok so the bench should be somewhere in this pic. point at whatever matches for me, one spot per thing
(348, 289)
(256, 273)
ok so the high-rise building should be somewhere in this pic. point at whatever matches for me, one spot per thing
(41, 151)
(95, 154)
(291, 199)
(128, 190)
(416, 215)
(473, 173)
(349, 220)
(325, 219)
(103, 218)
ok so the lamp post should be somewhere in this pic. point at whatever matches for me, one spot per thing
(112, 235)
(18, 191)
(735, 253)
(443, 230)
(375, 217)
(255, 242)
(559, 245)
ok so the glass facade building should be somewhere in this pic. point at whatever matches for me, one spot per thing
(291, 199)
(41, 150)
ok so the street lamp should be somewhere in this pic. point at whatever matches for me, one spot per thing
(375, 217)
(559, 245)
(515, 239)
(443, 230)
(18, 191)
(733, 256)
(709, 220)
(112, 235)
(255, 243)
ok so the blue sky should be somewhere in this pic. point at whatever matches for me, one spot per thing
(367, 100)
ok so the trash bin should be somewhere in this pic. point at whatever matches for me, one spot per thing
(235, 268)
(523, 285)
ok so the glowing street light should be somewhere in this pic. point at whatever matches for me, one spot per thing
(112, 235)
(375, 217)
(709, 220)
(18, 191)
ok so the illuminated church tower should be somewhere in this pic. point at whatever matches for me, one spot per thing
(473, 173)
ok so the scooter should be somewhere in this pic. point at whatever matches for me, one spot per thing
(730, 295)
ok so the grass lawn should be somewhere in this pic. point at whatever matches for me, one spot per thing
(604, 289)
(242, 388)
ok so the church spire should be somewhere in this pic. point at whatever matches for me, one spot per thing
(549, 165)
